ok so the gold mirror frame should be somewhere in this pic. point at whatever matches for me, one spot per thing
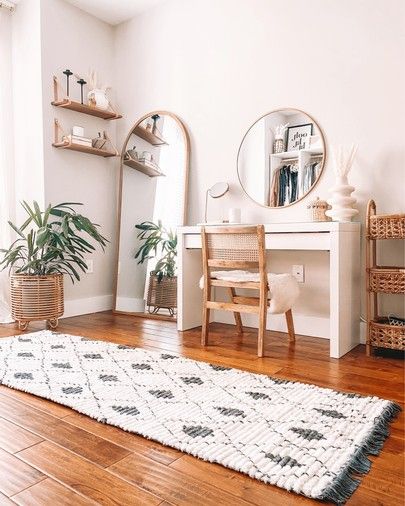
(281, 109)
(186, 139)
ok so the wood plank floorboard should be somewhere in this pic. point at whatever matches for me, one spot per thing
(52, 455)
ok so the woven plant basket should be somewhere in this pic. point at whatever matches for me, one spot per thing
(384, 335)
(162, 295)
(36, 298)
(387, 279)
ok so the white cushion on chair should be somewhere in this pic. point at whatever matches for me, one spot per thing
(284, 289)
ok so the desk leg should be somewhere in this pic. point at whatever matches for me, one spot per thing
(189, 294)
(344, 292)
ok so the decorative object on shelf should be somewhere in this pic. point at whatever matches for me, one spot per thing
(73, 143)
(318, 210)
(298, 136)
(155, 118)
(50, 243)
(234, 215)
(382, 331)
(341, 201)
(67, 73)
(279, 138)
(78, 130)
(97, 96)
(132, 153)
(216, 191)
(100, 141)
(82, 82)
(157, 240)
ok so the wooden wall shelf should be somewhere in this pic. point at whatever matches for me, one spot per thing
(148, 136)
(141, 167)
(85, 109)
(84, 149)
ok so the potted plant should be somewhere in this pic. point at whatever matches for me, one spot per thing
(162, 289)
(50, 243)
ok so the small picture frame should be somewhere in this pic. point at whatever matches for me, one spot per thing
(299, 136)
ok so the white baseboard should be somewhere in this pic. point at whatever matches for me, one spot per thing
(315, 326)
(363, 332)
(130, 304)
(78, 307)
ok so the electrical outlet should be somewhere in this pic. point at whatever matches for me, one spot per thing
(89, 263)
(298, 273)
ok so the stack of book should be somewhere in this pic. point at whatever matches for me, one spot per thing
(78, 139)
(149, 163)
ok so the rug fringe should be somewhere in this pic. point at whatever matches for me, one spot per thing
(345, 484)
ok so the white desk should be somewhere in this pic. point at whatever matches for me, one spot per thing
(342, 240)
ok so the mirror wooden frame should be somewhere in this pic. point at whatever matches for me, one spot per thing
(186, 139)
(322, 136)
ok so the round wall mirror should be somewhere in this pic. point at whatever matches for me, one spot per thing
(281, 158)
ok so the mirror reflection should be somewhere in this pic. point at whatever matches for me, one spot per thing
(281, 158)
(154, 167)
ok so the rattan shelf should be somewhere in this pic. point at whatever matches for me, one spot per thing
(382, 279)
(387, 279)
(384, 335)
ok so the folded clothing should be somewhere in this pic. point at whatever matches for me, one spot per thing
(284, 289)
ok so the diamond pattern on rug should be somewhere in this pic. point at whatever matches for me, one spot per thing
(300, 437)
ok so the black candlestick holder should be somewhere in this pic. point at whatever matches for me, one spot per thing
(67, 73)
(82, 82)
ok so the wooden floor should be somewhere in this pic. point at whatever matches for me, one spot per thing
(51, 455)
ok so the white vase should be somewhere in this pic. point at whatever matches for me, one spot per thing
(98, 97)
(341, 201)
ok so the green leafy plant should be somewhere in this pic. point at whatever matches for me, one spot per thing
(53, 241)
(157, 239)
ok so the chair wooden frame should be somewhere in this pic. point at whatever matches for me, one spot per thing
(238, 304)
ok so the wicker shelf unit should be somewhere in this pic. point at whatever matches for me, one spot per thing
(382, 279)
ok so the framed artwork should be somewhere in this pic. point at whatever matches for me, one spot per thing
(298, 136)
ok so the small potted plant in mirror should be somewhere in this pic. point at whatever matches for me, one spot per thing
(158, 241)
(49, 244)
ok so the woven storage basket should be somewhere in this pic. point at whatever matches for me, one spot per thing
(36, 298)
(162, 295)
(387, 279)
(384, 335)
(390, 226)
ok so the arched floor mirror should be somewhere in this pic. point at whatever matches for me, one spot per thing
(152, 204)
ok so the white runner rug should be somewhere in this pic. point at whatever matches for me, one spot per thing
(300, 437)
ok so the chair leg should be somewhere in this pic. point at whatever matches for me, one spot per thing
(262, 328)
(290, 324)
(237, 316)
(205, 326)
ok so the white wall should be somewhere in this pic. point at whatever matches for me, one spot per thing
(80, 42)
(221, 65)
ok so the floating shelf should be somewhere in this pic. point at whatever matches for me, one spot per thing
(66, 103)
(84, 149)
(148, 136)
(141, 167)
(295, 154)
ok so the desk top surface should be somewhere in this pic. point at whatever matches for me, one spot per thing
(291, 227)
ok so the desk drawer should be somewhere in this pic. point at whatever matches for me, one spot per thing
(289, 241)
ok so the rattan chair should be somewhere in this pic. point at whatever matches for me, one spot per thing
(237, 248)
